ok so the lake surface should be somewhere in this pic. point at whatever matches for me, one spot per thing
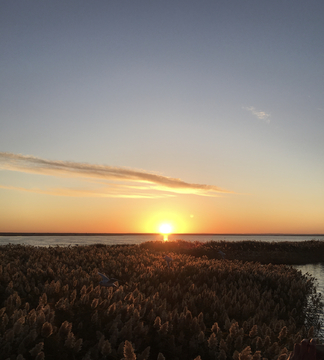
(315, 270)
(65, 240)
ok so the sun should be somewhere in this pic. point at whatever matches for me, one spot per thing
(165, 228)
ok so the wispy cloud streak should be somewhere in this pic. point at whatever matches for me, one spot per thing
(87, 192)
(259, 114)
(150, 182)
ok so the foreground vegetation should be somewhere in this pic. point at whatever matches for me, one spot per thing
(52, 306)
(283, 252)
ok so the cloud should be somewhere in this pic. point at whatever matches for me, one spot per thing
(259, 114)
(87, 193)
(114, 181)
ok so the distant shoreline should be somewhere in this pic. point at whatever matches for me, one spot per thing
(141, 234)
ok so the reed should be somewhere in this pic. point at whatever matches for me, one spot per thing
(52, 307)
(285, 252)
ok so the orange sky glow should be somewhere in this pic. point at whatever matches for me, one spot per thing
(208, 118)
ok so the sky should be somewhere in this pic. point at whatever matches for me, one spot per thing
(118, 116)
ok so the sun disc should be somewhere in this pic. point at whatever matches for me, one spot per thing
(165, 229)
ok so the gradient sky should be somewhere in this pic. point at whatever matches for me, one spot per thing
(116, 116)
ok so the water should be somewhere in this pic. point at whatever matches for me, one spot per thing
(65, 240)
(316, 271)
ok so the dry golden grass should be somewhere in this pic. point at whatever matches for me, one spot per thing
(51, 306)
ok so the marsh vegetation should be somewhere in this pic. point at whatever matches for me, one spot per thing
(264, 252)
(52, 306)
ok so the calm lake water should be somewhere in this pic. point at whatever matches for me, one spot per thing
(65, 240)
(315, 270)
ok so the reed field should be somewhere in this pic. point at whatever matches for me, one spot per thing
(201, 307)
(283, 252)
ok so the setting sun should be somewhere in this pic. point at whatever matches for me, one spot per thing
(165, 229)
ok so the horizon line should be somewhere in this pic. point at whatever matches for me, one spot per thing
(12, 233)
